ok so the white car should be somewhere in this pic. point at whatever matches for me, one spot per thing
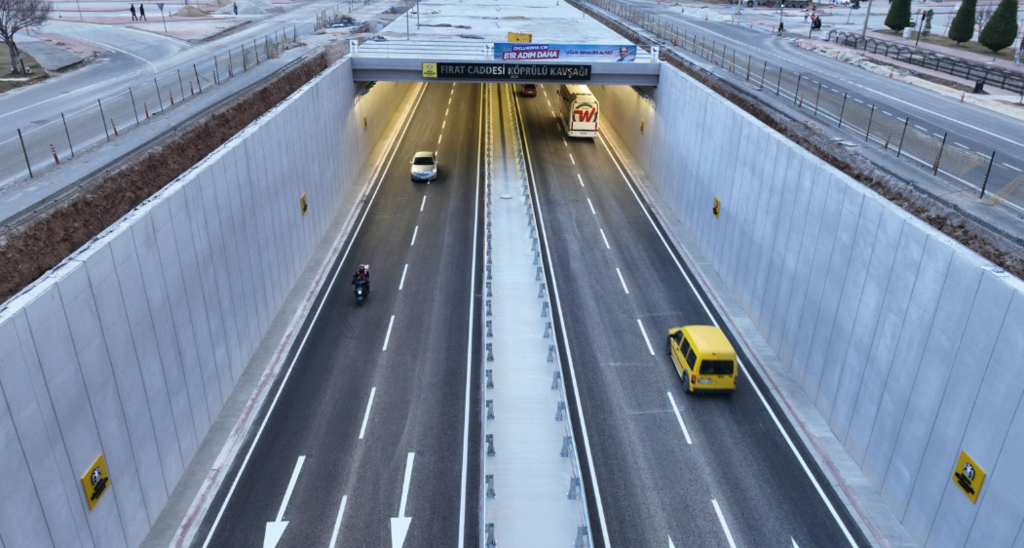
(424, 166)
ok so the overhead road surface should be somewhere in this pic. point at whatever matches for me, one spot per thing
(366, 439)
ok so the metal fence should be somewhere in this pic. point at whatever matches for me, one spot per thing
(870, 123)
(1005, 79)
(26, 153)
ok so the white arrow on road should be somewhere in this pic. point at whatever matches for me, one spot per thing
(400, 525)
(275, 529)
(670, 543)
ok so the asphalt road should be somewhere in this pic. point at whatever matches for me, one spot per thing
(376, 384)
(728, 477)
(969, 126)
(135, 58)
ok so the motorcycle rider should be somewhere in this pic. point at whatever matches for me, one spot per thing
(362, 275)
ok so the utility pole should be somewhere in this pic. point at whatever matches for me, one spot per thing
(864, 31)
(417, 14)
(407, 8)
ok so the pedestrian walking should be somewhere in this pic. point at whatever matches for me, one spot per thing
(142, 13)
(236, 8)
(782, 28)
(132, 9)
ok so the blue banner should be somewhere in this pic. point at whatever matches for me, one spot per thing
(564, 52)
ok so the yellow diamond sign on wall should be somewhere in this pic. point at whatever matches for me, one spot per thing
(430, 70)
(95, 481)
(968, 476)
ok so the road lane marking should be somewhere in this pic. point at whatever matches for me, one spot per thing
(366, 415)
(591, 204)
(568, 355)
(414, 232)
(443, 122)
(959, 145)
(549, 104)
(423, 203)
(605, 238)
(469, 337)
(1012, 167)
(564, 142)
(725, 526)
(337, 522)
(388, 336)
(679, 418)
(405, 483)
(446, 111)
(887, 113)
(449, 100)
(795, 545)
(670, 543)
(400, 524)
(920, 127)
(573, 160)
(552, 113)
(404, 271)
(580, 177)
(646, 340)
(305, 337)
(291, 486)
(700, 298)
(439, 137)
(623, 280)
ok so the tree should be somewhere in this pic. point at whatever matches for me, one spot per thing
(1001, 28)
(899, 15)
(982, 15)
(18, 15)
(962, 28)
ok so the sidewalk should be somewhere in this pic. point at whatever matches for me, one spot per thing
(50, 57)
(968, 56)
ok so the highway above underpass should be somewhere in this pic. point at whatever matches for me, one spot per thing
(670, 468)
(375, 429)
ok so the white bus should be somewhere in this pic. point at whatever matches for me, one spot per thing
(579, 110)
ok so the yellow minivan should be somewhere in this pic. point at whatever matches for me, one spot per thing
(703, 357)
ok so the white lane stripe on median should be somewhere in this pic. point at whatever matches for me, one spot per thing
(725, 526)
(605, 238)
(623, 280)
(423, 203)
(675, 409)
(366, 416)
(573, 160)
(414, 232)
(404, 271)
(580, 177)
(337, 522)
(591, 204)
(388, 336)
(646, 340)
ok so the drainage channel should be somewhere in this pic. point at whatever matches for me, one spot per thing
(533, 493)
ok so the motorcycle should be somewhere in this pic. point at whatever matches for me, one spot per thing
(361, 291)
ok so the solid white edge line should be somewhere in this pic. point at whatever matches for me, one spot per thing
(414, 232)
(423, 203)
(337, 522)
(605, 238)
(580, 177)
(623, 280)
(675, 409)
(469, 336)
(725, 526)
(366, 415)
(388, 336)
(591, 204)
(700, 298)
(405, 483)
(291, 486)
(568, 352)
(404, 271)
(302, 344)
(646, 340)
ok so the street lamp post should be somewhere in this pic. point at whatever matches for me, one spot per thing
(920, 28)
(417, 14)
(867, 14)
(407, 8)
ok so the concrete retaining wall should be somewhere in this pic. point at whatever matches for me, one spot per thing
(910, 345)
(131, 347)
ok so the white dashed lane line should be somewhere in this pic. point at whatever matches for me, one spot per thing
(1017, 169)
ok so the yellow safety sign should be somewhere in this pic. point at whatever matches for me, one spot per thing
(520, 37)
(95, 481)
(968, 476)
(430, 70)
(302, 201)
(717, 208)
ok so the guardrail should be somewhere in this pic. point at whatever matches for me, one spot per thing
(461, 50)
(27, 153)
(1005, 79)
(871, 122)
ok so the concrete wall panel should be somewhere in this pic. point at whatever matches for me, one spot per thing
(901, 337)
(131, 347)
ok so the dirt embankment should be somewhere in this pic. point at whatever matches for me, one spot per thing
(28, 253)
(1004, 253)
